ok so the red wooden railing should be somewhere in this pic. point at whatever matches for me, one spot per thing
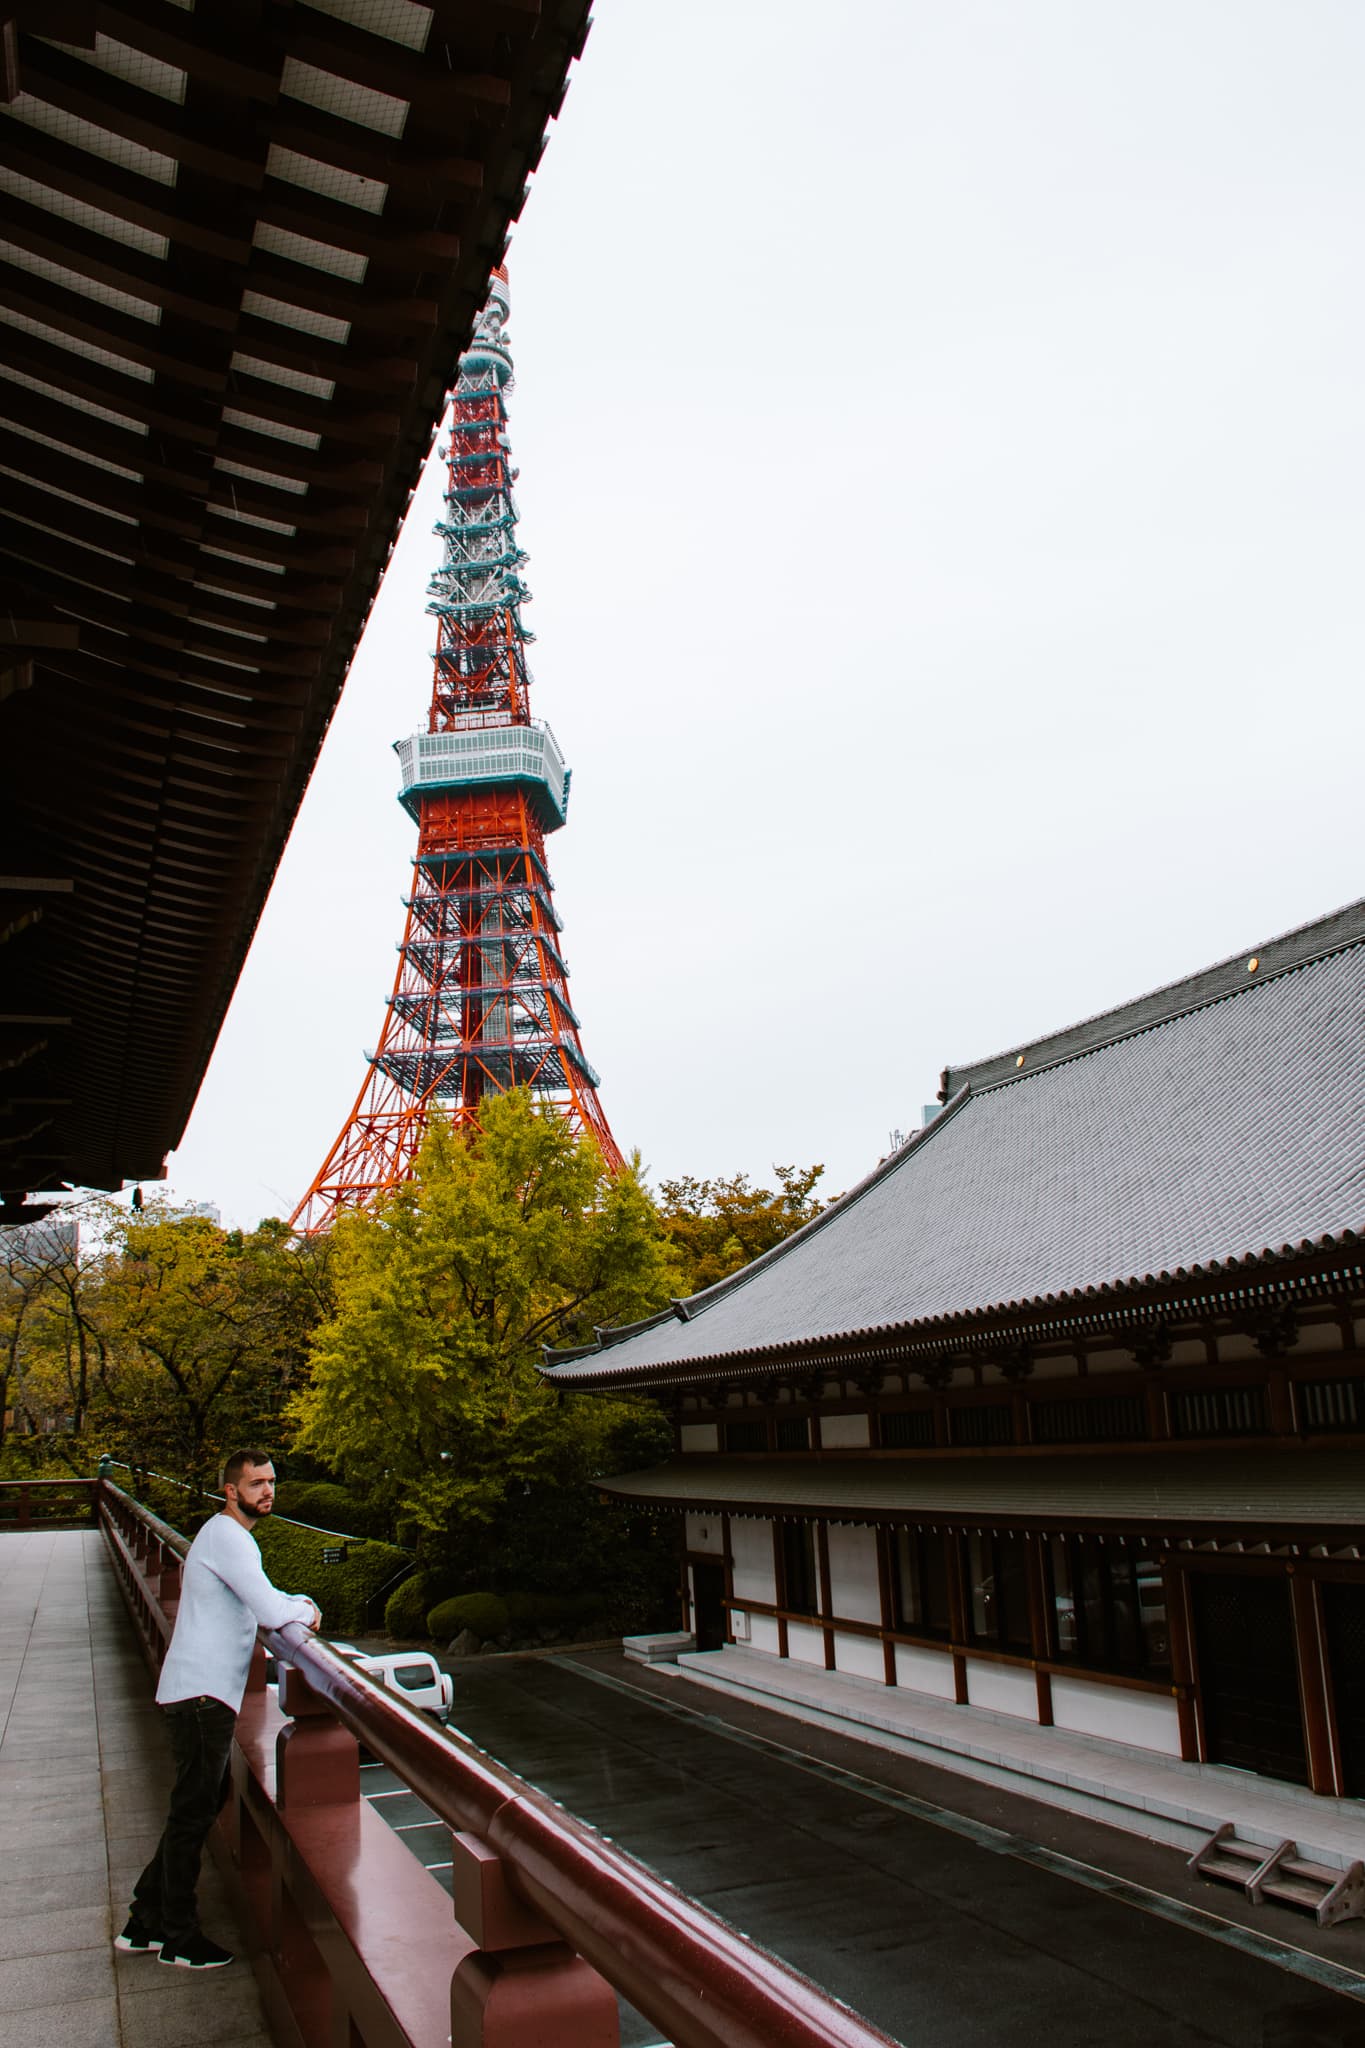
(17, 1501)
(355, 1943)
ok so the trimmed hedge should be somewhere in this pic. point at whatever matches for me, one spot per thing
(343, 1592)
(405, 1615)
(330, 1507)
(553, 1610)
(484, 1613)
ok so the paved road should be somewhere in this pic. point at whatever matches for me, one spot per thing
(944, 1940)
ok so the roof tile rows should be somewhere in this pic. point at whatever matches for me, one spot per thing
(1205, 1134)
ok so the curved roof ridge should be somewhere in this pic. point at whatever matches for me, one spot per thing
(1335, 933)
(696, 1304)
(687, 1307)
(1104, 1294)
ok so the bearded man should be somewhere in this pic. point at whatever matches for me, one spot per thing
(225, 1596)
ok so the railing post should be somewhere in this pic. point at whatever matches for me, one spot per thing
(524, 1985)
(25, 1507)
(317, 1761)
(168, 1580)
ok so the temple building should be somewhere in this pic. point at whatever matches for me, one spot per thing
(1058, 1417)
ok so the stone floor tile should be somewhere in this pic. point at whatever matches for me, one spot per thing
(51, 1933)
(37, 1748)
(83, 1973)
(20, 1830)
(90, 2023)
(221, 2005)
(26, 1895)
(49, 1859)
(80, 1776)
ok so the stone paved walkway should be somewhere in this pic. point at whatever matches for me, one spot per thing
(84, 1774)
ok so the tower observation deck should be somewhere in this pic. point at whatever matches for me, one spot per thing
(480, 999)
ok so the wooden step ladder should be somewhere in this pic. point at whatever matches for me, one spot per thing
(1283, 1875)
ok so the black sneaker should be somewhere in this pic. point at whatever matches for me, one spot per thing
(137, 1940)
(195, 1952)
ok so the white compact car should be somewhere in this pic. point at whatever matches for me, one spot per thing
(413, 1674)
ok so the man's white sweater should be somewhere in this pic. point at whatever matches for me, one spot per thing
(224, 1596)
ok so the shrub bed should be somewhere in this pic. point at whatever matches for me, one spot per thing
(343, 1592)
(405, 1615)
(330, 1507)
(484, 1613)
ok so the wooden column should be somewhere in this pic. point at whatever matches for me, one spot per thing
(1176, 1584)
(885, 1538)
(826, 1596)
(1040, 1625)
(780, 1586)
(1310, 1642)
(957, 1609)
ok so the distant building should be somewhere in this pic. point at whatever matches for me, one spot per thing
(29, 1247)
(1060, 1413)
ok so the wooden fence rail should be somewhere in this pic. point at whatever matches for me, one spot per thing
(19, 1496)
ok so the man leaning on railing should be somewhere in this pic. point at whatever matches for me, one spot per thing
(225, 1596)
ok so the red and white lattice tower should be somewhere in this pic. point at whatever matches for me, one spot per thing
(480, 1002)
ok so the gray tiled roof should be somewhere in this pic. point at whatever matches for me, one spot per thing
(1273, 1490)
(1201, 1133)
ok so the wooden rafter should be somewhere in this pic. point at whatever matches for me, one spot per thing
(177, 631)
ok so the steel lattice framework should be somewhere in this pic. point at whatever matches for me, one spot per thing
(480, 1001)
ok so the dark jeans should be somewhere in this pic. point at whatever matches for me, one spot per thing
(201, 1744)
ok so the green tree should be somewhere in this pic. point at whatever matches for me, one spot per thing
(717, 1226)
(38, 1272)
(424, 1381)
(204, 1336)
(167, 1343)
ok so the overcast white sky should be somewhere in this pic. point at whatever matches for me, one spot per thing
(940, 433)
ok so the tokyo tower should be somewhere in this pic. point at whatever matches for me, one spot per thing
(480, 1001)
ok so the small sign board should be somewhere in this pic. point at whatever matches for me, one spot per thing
(334, 1553)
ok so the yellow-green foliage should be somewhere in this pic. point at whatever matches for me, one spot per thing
(445, 1292)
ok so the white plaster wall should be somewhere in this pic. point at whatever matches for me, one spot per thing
(700, 1436)
(1145, 1719)
(861, 1655)
(704, 1532)
(805, 1645)
(1003, 1688)
(844, 1432)
(763, 1634)
(751, 1552)
(854, 1592)
(928, 1671)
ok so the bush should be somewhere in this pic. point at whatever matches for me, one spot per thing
(405, 1615)
(343, 1592)
(484, 1613)
(330, 1507)
(552, 1610)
